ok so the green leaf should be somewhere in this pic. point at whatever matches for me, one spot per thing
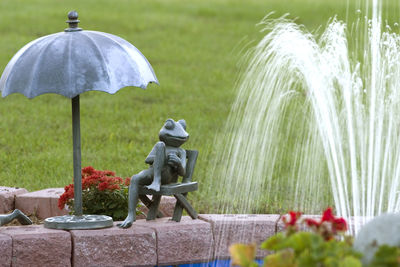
(274, 242)
(305, 259)
(119, 215)
(284, 258)
(243, 254)
(350, 261)
(304, 240)
(386, 256)
(112, 205)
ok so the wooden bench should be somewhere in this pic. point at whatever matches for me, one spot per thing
(178, 190)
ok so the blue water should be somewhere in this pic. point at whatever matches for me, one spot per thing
(215, 263)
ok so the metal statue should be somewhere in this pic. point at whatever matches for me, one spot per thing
(16, 214)
(167, 161)
(70, 63)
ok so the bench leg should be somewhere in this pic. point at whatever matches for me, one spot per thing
(182, 203)
(148, 203)
(153, 209)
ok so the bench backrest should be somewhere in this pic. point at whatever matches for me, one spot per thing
(191, 156)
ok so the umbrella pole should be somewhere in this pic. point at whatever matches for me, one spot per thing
(76, 136)
(77, 221)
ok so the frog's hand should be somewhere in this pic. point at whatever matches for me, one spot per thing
(181, 163)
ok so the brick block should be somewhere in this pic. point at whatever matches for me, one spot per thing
(187, 241)
(167, 206)
(43, 203)
(229, 229)
(35, 245)
(7, 196)
(135, 246)
(5, 250)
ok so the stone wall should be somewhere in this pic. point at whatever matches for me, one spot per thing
(146, 243)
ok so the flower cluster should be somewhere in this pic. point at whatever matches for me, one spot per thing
(103, 180)
(338, 224)
(66, 196)
(102, 193)
(328, 226)
(291, 220)
(306, 242)
(91, 179)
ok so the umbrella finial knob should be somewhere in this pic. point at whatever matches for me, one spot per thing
(73, 22)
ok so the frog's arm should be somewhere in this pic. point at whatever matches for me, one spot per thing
(150, 158)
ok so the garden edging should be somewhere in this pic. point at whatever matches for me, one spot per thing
(146, 243)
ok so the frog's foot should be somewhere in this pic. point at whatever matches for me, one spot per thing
(22, 218)
(154, 186)
(127, 223)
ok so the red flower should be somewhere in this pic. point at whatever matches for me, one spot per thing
(118, 180)
(114, 187)
(102, 186)
(89, 170)
(327, 216)
(127, 181)
(328, 226)
(293, 216)
(67, 195)
(89, 181)
(339, 224)
(93, 179)
(61, 201)
(108, 173)
(312, 223)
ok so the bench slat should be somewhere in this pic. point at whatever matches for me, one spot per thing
(170, 189)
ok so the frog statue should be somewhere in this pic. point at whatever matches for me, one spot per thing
(167, 161)
(16, 214)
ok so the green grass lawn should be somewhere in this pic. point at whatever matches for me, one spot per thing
(194, 47)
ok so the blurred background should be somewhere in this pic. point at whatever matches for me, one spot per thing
(195, 48)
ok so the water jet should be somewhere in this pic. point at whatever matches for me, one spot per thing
(316, 121)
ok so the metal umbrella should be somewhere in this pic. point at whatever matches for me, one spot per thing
(70, 63)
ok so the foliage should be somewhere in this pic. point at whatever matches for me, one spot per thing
(323, 244)
(102, 193)
(309, 249)
(243, 254)
(386, 256)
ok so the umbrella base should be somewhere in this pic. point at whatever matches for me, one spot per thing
(72, 222)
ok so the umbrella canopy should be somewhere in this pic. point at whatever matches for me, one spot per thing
(70, 63)
(73, 62)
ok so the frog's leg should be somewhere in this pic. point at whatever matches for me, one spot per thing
(4, 219)
(16, 214)
(142, 178)
(158, 164)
